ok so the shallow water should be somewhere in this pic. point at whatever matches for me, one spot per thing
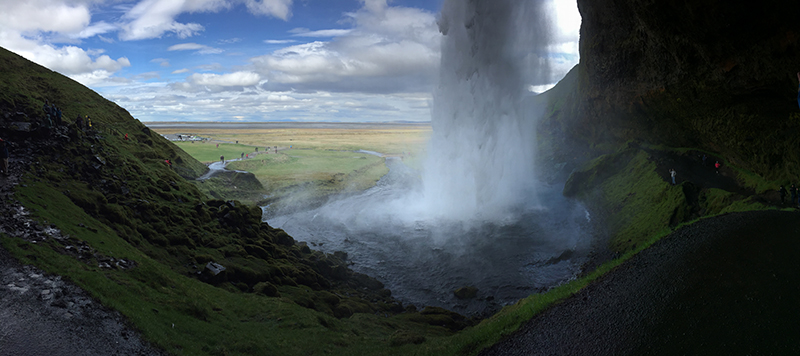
(423, 261)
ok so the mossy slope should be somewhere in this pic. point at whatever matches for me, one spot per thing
(120, 199)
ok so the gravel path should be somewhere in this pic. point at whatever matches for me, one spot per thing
(42, 314)
(728, 285)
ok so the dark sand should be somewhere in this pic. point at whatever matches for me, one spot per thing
(728, 285)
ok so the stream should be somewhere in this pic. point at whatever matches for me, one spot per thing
(423, 261)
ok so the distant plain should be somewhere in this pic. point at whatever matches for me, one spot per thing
(312, 159)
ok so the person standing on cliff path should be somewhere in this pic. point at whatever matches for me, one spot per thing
(717, 165)
(782, 192)
(4, 156)
(798, 89)
(672, 174)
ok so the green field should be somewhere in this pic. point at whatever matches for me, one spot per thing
(310, 164)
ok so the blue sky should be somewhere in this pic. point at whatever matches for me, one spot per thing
(253, 60)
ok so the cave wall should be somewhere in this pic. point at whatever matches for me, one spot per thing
(710, 74)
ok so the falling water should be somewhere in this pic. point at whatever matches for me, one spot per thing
(481, 161)
(479, 215)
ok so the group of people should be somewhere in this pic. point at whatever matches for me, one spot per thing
(673, 173)
(53, 117)
(793, 191)
(52, 114)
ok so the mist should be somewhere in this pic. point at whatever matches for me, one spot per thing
(476, 215)
(482, 152)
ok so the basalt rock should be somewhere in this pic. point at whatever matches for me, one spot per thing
(711, 74)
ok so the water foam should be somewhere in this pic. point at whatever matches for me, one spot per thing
(482, 151)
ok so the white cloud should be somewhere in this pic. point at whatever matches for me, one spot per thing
(214, 83)
(276, 8)
(202, 49)
(389, 49)
(154, 18)
(44, 15)
(87, 67)
(37, 18)
(304, 32)
(279, 41)
(159, 101)
(98, 28)
(180, 71)
(225, 80)
(161, 61)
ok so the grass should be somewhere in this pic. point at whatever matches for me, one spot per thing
(207, 320)
(394, 141)
(208, 152)
(321, 162)
(134, 207)
(321, 167)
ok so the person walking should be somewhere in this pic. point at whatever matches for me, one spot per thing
(4, 155)
(222, 159)
(716, 166)
(793, 193)
(782, 192)
(672, 174)
(798, 89)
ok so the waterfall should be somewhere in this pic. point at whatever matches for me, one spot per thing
(481, 155)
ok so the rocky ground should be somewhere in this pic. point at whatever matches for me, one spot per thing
(42, 314)
(726, 285)
(723, 285)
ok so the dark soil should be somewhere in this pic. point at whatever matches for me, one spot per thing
(726, 285)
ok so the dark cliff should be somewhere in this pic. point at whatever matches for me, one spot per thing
(713, 75)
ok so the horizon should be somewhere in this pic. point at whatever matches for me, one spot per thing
(249, 61)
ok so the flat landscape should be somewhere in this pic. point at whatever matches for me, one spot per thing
(312, 160)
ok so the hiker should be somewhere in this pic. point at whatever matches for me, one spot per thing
(798, 89)
(46, 108)
(168, 163)
(4, 155)
(56, 115)
(793, 192)
(79, 123)
(717, 165)
(782, 192)
(672, 174)
(217, 145)
(126, 137)
(59, 122)
(256, 149)
(242, 155)
(88, 122)
(222, 159)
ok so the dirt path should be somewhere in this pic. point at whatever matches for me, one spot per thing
(690, 168)
(726, 286)
(42, 314)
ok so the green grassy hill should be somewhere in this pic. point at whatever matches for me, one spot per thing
(122, 201)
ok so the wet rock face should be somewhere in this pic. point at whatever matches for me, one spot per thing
(705, 73)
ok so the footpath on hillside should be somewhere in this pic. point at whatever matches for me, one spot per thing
(40, 313)
(725, 285)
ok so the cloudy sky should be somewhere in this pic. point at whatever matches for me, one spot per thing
(251, 60)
